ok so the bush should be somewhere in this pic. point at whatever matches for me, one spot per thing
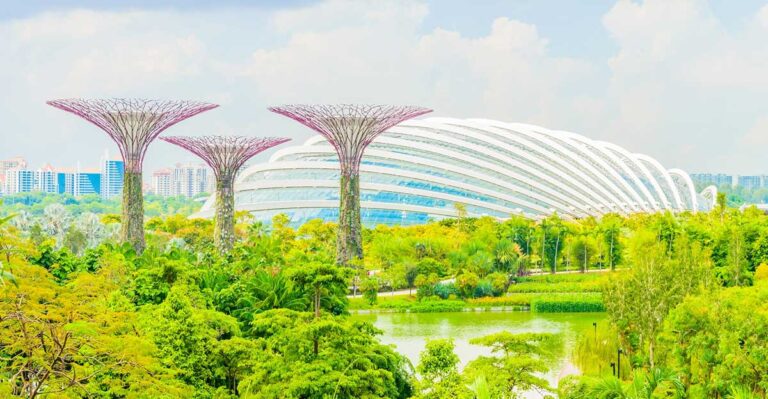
(573, 282)
(761, 273)
(429, 266)
(446, 290)
(591, 286)
(519, 300)
(499, 281)
(563, 278)
(483, 289)
(568, 304)
(466, 283)
(370, 288)
(438, 306)
(425, 291)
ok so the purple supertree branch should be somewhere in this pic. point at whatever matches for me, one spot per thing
(349, 128)
(132, 123)
(225, 154)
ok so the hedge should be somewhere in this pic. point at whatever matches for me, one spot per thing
(568, 303)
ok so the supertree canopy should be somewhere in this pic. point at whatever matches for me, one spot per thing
(225, 155)
(349, 128)
(132, 124)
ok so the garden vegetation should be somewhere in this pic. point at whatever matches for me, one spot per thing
(685, 300)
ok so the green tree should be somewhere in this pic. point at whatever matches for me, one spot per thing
(320, 281)
(582, 251)
(466, 284)
(370, 288)
(438, 367)
(639, 300)
(519, 360)
(348, 362)
(610, 228)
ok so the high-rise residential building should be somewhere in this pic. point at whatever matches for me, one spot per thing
(65, 182)
(189, 180)
(111, 177)
(19, 181)
(13, 163)
(78, 182)
(161, 182)
(8, 164)
(87, 182)
(752, 182)
(716, 179)
(45, 179)
(106, 181)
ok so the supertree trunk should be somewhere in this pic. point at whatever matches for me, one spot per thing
(224, 228)
(350, 235)
(133, 124)
(225, 155)
(132, 222)
(349, 128)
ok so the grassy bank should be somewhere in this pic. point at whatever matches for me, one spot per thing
(537, 302)
(547, 293)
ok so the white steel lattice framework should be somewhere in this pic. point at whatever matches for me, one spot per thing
(419, 170)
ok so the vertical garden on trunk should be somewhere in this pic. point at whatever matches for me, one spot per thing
(349, 128)
(225, 155)
(133, 124)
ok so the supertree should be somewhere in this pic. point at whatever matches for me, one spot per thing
(349, 128)
(225, 155)
(132, 124)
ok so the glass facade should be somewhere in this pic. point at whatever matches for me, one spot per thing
(421, 169)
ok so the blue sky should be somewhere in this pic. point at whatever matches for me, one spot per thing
(680, 80)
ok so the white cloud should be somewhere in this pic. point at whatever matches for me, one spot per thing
(680, 86)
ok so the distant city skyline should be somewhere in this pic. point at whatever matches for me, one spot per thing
(19, 175)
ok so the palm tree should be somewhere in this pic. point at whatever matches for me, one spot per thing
(22, 221)
(642, 386)
(480, 388)
(265, 291)
(56, 219)
(90, 225)
(7, 219)
(507, 254)
(742, 392)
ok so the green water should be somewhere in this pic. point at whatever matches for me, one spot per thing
(408, 332)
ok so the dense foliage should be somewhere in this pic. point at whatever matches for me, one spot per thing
(83, 316)
(34, 204)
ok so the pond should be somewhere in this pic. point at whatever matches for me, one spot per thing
(408, 332)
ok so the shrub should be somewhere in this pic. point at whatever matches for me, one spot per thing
(429, 266)
(438, 306)
(499, 282)
(568, 303)
(590, 286)
(370, 289)
(446, 290)
(425, 291)
(483, 289)
(466, 283)
(520, 300)
(761, 273)
(562, 278)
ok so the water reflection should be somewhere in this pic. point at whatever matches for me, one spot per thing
(408, 332)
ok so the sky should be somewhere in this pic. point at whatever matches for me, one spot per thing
(684, 81)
